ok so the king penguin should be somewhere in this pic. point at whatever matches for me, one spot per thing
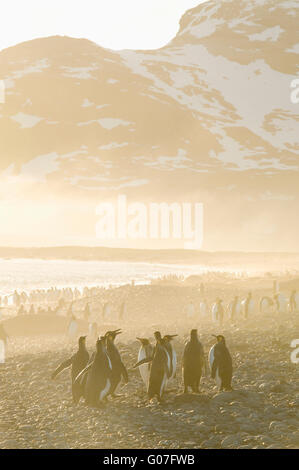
(77, 363)
(146, 351)
(94, 382)
(160, 369)
(221, 364)
(172, 354)
(193, 363)
(118, 368)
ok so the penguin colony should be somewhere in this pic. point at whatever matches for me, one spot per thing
(95, 378)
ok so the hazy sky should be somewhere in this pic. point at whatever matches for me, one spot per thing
(115, 24)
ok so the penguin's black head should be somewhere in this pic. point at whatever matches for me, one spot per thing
(169, 337)
(100, 344)
(82, 340)
(157, 335)
(193, 333)
(220, 338)
(112, 334)
(143, 341)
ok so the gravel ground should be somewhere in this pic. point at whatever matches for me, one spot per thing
(261, 412)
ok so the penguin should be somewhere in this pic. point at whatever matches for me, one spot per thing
(106, 311)
(218, 311)
(281, 303)
(193, 363)
(190, 310)
(146, 351)
(221, 364)
(248, 306)
(168, 350)
(72, 326)
(87, 312)
(118, 368)
(266, 304)
(234, 309)
(122, 311)
(203, 308)
(159, 371)
(93, 331)
(77, 363)
(3, 344)
(294, 301)
(94, 382)
(172, 354)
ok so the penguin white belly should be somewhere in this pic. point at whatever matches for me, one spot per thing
(73, 328)
(203, 309)
(174, 362)
(211, 360)
(251, 307)
(163, 384)
(105, 391)
(144, 369)
(169, 364)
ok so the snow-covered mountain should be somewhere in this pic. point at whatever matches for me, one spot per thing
(206, 118)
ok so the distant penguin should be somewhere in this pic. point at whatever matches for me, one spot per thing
(118, 368)
(221, 364)
(248, 306)
(281, 303)
(266, 305)
(3, 344)
(77, 363)
(146, 351)
(193, 363)
(172, 354)
(93, 331)
(122, 311)
(32, 310)
(294, 301)
(218, 312)
(106, 311)
(159, 372)
(94, 382)
(203, 309)
(86, 312)
(72, 327)
(234, 309)
(190, 310)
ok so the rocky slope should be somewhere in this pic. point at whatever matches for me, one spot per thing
(206, 118)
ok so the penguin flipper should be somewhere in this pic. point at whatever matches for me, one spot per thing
(81, 375)
(62, 366)
(143, 361)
